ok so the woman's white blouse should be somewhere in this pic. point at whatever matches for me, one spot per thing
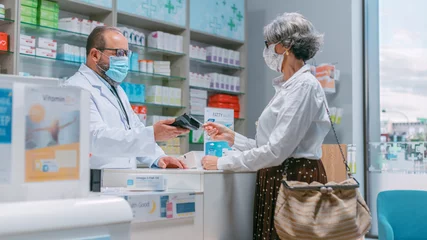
(293, 124)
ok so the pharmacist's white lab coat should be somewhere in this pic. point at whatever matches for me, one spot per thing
(113, 144)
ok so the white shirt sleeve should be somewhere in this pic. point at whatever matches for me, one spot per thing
(293, 121)
(243, 143)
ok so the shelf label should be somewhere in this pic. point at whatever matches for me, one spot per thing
(150, 208)
(5, 134)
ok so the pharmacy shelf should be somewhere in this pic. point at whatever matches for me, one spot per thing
(4, 21)
(56, 33)
(83, 8)
(5, 52)
(151, 50)
(218, 90)
(214, 39)
(216, 65)
(148, 23)
(203, 116)
(156, 105)
(152, 76)
(51, 60)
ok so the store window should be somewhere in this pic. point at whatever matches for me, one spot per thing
(396, 77)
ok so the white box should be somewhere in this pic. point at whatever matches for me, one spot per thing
(227, 82)
(27, 50)
(202, 54)
(180, 44)
(178, 97)
(222, 55)
(156, 40)
(45, 53)
(83, 54)
(85, 26)
(96, 24)
(222, 80)
(194, 101)
(125, 32)
(70, 24)
(154, 94)
(193, 159)
(166, 95)
(206, 81)
(47, 43)
(212, 54)
(229, 57)
(193, 51)
(29, 41)
(237, 58)
(147, 182)
(196, 93)
(237, 84)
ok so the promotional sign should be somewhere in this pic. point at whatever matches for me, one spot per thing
(150, 207)
(225, 18)
(172, 11)
(222, 116)
(52, 134)
(5, 133)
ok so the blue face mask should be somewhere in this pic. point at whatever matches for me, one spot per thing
(118, 69)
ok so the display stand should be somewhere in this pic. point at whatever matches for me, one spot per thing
(224, 204)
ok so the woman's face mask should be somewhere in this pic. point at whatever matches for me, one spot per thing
(272, 59)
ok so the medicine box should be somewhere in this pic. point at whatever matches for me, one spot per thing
(26, 40)
(30, 3)
(237, 58)
(85, 26)
(147, 182)
(176, 93)
(27, 19)
(156, 40)
(70, 24)
(48, 53)
(48, 15)
(139, 93)
(96, 24)
(47, 43)
(28, 11)
(154, 94)
(83, 54)
(65, 52)
(223, 56)
(4, 41)
(27, 50)
(212, 54)
(49, 5)
(46, 23)
(196, 93)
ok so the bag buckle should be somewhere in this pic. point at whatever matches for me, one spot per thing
(326, 190)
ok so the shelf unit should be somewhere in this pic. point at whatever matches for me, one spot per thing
(13, 62)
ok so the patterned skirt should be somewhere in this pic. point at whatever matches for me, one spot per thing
(267, 189)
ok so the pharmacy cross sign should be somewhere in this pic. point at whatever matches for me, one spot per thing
(234, 8)
(239, 16)
(169, 6)
(231, 24)
(214, 25)
(224, 2)
(149, 7)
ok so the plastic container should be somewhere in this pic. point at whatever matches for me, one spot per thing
(150, 66)
(142, 65)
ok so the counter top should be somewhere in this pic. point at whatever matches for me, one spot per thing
(173, 171)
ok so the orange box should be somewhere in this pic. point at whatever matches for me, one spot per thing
(4, 41)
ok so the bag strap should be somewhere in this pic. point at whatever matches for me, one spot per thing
(338, 141)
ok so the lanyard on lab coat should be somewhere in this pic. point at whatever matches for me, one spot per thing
(114, 91)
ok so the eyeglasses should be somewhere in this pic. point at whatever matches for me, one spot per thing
(266, 44)
(119, 52)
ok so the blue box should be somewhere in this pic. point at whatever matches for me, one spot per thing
(139, 93)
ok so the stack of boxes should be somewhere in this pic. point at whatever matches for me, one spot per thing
(198, 101)
(133, 62)
(197, 52)
(133, 36)
(77, 25)
(162, 68)
(2, 11)
(164, 95)
(216, 55)
(224, 82)
(141, 112)
(199, 80)
(29, 11)
(166, 41)
(48, 14)
(225, 101)
(135, 92)
(72, 53)
(27, 45)
(42, 47)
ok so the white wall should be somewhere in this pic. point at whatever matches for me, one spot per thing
(341, 22)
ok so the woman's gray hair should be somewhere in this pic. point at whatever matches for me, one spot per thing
(295, 32)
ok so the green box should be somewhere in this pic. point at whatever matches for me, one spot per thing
(196, 136)
(30, 3)
(28, 11)
(49, 6)
(2, 11)
(47, 23)
(27, 19)
(48, 15)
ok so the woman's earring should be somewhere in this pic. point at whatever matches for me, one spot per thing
(287, 53)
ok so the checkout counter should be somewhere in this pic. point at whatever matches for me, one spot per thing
(222, 202)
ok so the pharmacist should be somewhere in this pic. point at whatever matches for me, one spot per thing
(118, 138)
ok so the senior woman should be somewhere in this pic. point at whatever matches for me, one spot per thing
(292, 127)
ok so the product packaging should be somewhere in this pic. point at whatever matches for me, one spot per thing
(48, 5)
(30, 3)
(27, 50)
(139, 90)
(47, 43)
(70, 24)
(27, 19)
(96, 24)
(196, 93)
(85, 26)
(4, 41)
(28, 11)
(154, 94)
(48, 15)
(156, 40)
(48, 53)
(2, 11)
(147, 182)
(26, 40)
(46, 23)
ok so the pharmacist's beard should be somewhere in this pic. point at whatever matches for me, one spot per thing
(103, 67)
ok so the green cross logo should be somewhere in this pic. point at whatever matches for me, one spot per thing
(231, 24)
(215, 25)
(222, 16)
(234, 8)
(149, 8)
(224, 2)
(180, 1)
(239, 16)
(169, 6)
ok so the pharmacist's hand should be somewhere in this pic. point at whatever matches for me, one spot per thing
(163, 131)
(220, 132)
(171, 162)
(210, 163)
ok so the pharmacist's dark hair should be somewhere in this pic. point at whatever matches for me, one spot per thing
(96, 37)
